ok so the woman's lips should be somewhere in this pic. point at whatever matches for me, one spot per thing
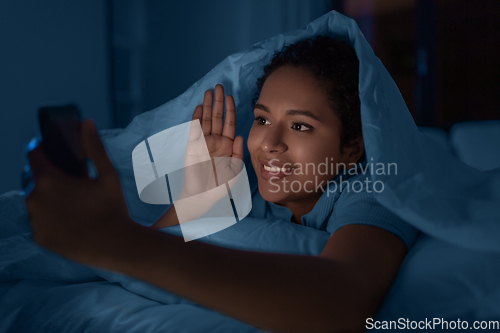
(271, 170)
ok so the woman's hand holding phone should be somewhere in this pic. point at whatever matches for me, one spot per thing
(76, 216)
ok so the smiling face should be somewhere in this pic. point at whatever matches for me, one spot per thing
(295, 133)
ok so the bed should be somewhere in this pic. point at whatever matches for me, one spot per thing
(449, 277)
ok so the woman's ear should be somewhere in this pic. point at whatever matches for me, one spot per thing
(355, 150)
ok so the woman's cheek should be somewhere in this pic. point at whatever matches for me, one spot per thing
(252, 142)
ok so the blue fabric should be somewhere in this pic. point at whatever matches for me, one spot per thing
(46, 306)
(477, 143)
(445, 281)
(439, 136)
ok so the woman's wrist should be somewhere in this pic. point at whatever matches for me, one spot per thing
(119, 247)
(168, 219)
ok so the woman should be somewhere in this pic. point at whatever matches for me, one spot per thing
(305, 114)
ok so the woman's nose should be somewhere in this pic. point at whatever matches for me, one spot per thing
(273, 142)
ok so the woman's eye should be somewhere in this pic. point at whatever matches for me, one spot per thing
(262, 121)
(301, 127)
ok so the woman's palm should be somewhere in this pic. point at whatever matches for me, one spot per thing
(219, 145)
(226, 151)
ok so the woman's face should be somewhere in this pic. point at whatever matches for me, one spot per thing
(297, 133)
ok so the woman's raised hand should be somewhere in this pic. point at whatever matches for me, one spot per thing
(214, 157)
(225, 160)
(218, 136)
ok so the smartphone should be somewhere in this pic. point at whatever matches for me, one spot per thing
(60, 130)
(60, 138)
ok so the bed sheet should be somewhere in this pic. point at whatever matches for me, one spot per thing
(100, 306)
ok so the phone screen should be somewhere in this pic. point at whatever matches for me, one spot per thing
(60, 129)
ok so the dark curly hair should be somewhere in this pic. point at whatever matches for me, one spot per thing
(333, 63)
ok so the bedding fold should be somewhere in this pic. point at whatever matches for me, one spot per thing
(432, 190)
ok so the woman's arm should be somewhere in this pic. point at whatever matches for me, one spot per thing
(87, 221)
(336, 291)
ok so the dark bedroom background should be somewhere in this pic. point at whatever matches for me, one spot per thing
(118, 58)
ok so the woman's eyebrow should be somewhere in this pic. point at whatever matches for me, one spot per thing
(289, 112)
(261, 107)
(303, 113)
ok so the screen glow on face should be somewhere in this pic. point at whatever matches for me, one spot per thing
(295, 132)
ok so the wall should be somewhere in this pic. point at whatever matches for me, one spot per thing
(162, 47)
(49, 51)
(58, 51)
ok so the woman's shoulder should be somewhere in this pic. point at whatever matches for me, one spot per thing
(267, 210)
(357, 204)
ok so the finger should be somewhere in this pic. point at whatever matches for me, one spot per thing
(206, 120)
(238, 147)
(218, 110)
(230, 122)
(198, 113)
(195, 131)
(40, 163)
(95, 150)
